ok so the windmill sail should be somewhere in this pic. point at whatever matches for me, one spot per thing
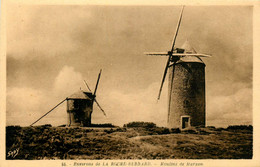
(100, 107)
(169, 58)
(156, 53)
(190, 54)
(95, 100)
(176, 54)
(177, 30)
(87, 85)
(97, 82)
(164, 75)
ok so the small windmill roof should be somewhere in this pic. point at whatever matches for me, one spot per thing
(81, 95)
(189, 49)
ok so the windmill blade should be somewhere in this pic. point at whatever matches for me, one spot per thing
(191, 54)
(100, 107)
(156, 53)
(164, 75)
(95, 99)
(177, 30)
(87, 85)
(97, 82)
(170, 96)
(173, 44)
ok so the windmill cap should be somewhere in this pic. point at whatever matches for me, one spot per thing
(188, 48)
(81, 95)
(189, 59)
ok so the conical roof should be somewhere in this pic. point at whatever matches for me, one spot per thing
(189, 49)
(81, 95)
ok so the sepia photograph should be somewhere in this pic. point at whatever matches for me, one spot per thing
(129, 82)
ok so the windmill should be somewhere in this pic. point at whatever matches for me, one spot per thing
(186, 86)
(79, 106)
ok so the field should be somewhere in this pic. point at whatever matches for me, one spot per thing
(46, 142)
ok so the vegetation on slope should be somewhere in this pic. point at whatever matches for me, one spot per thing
(145, 141)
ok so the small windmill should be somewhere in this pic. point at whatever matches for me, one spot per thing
(186, 84)
(79, 106)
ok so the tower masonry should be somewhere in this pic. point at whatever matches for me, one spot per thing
(186, 91)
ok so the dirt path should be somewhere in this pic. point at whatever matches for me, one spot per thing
(148, 136)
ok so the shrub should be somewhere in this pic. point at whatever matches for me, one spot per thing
(211, 127)
(203, 132)
(175, 130)
(159, 131)
(102, 125)
(140, 124)
(189, 131)
(12, 133)
(109, 131)
(165, 131)
(220, 129)
(121, 129)
(43, 126)
(240, 127)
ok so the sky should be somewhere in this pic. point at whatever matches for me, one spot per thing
(51, 49)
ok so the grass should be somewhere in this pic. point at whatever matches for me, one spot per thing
(46, 142)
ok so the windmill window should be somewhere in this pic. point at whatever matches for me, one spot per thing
(186, 103)
(76, 104)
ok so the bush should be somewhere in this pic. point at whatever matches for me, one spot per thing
(109, 131)
(240, 127)
(203, 132)
(121, 130)
(165, 131)
(211, 127)
(43, 126)
(140, 124)
(102, 125)
(13, 128)
(159, 131)
(189, 131)
(220, 129)
(12, 133)
(175, 130)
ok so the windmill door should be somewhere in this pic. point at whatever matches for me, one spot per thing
(185, 122)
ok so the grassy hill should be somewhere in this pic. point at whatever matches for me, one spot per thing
(134, 142)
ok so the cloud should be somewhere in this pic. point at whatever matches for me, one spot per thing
(43, 30)
(43, 39)
(234, 109)
(140, 105)
(67, 82)
(25, 105)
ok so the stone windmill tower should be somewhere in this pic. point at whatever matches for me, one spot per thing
(186, 94)
(79, 107)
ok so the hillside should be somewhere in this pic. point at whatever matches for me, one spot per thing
(46, 142)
